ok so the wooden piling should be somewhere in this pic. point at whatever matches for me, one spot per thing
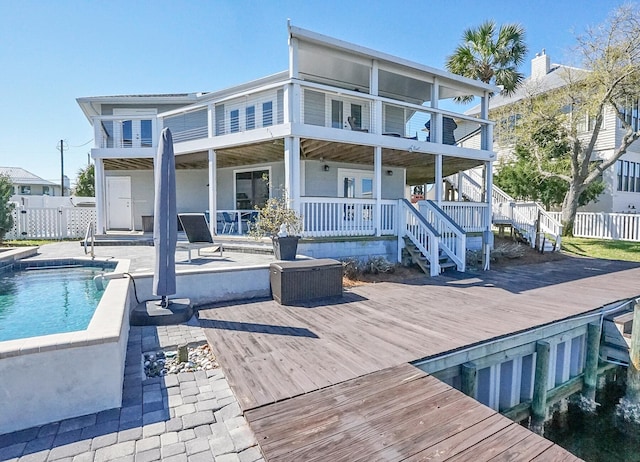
(468, 385)
(591, 365)
(633, 371)
(539, 401)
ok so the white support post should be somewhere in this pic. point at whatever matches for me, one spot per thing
(485, 142)
(377, 172)
(293, 58)
(100, 200)
(213, 193)
(292, 171)
(376, 106)
(438, 178)
(210, 121)
(460, 185)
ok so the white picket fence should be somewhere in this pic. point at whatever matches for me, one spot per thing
(51, 222)
(616, 226)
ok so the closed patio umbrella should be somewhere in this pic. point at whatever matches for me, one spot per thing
(165, 228)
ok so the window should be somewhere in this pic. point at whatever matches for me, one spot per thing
(250, 115)
(25, 190)
(314, 104)
(356, 114)
(234, 121)
(336, 113)
(628, 175)
(46, 191)
(220, 119)
(251, 189)
(267, 114)
(146, 133)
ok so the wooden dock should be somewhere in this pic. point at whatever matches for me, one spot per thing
(299, 356)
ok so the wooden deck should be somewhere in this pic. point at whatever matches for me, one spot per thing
(399, 413)
(271, 353)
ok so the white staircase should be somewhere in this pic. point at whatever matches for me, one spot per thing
(528, 220)
(430, 239)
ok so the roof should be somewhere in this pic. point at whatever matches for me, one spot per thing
(555, 78)
(21, 176)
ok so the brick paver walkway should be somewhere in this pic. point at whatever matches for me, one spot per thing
(185, 417)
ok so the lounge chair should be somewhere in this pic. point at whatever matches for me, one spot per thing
(353, 123)
(198, 234)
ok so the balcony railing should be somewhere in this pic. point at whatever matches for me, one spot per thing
(326, 216)
(317, 105)
(125, 131)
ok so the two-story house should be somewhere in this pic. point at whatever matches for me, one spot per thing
(342, 130)
(622, 183)
(27, 184)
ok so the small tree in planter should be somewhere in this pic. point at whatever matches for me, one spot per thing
(281, 223)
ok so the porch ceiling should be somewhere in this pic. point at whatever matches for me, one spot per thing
(420, 167)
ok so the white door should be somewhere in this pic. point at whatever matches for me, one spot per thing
(357, 184)
(119, 202)
(135, 132)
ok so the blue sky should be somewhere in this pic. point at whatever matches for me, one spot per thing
(52, 52)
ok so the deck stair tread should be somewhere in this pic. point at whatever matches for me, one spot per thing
(415, 256)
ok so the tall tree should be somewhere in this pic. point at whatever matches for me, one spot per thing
(491, 55)
(86, 183)
(6, 207)
(607, 84)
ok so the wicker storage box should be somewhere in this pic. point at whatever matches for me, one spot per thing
(300, 281)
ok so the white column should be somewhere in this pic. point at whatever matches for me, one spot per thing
(213, 192)
(460, 184)
(485, 142)
(376, 105)
(438, 178)
(292, 171)
(293, 58)
(210, 121)
(101, 219)
(377, 174)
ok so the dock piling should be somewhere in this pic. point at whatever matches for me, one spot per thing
(539, 402)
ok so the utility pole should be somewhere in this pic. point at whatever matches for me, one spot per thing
(62, 167)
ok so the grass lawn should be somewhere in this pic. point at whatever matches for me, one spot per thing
(25, 243)
(602, 248)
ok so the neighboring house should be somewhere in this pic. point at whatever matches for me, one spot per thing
(341, 131)
(27, 184)
(622, 182)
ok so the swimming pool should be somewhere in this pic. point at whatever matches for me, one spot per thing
(42, 300)
(46, 378)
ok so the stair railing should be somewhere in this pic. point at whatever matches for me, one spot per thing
(523, 215)
(424, 236)
(453, 239)
(89, 237)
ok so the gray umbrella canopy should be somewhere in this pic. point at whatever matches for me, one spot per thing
(165, 227)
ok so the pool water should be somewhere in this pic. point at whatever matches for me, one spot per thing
(47, 301)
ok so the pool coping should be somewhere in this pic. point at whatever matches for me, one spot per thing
(105, 325)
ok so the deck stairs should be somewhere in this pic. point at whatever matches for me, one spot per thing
(430, 239)
(526, 221)
(616, 334)
(411, 254)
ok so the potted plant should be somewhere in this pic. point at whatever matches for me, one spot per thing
(281, 223)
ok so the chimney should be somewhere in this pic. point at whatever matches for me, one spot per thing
(540, 65)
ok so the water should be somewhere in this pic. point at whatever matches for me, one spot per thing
(47, 301)
(600, 436)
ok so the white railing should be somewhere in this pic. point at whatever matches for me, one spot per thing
(424, 236)
(452, 240)
(470, 216)
(615, 226)
(51, 223)
(326, 216)
(525, 216)
(125, 131)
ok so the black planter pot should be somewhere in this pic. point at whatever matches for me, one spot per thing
(285, 248)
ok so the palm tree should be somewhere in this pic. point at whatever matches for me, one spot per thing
(488, 58)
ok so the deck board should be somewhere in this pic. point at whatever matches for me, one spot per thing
(289, 354)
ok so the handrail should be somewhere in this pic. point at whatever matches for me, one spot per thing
(423, 235)
(525, 215)
(87, 235)
(453, 239)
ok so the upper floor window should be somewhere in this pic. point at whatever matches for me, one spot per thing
(631, 114)
(46, 191)
(628, 174)
(267, 114)
(25, 190)
(250, 115)
(234, 121)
